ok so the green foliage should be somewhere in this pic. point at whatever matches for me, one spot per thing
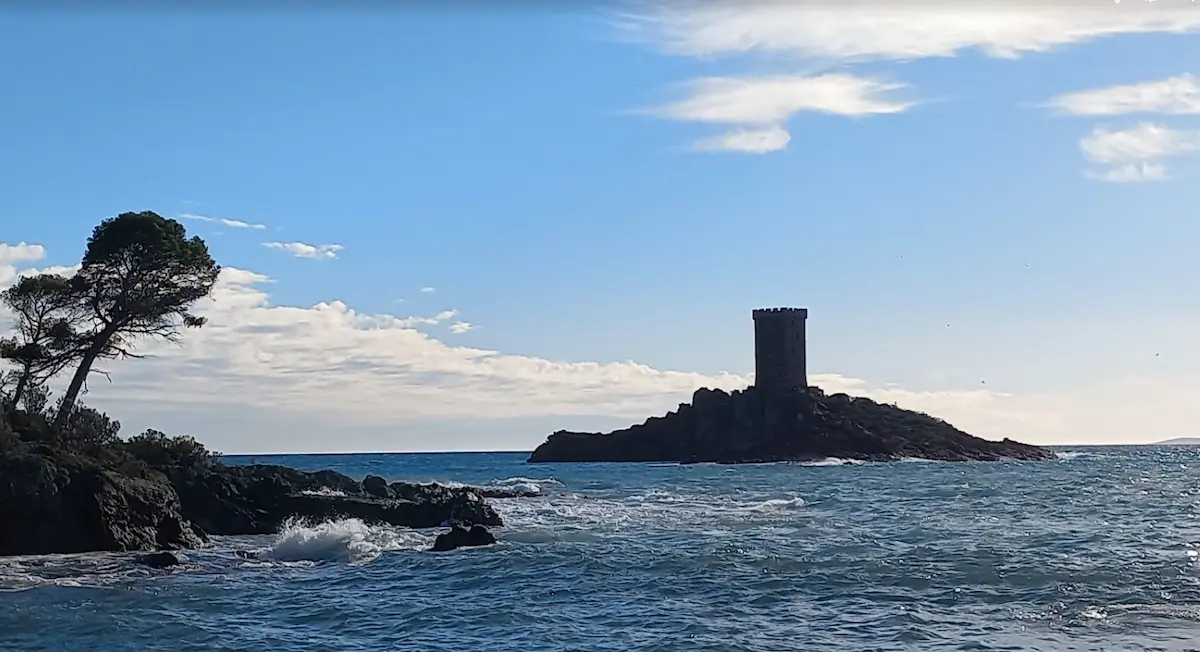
(47, 340)
(35, 398)
(139, 277)
(84, 427)
(141, 273)
(158, 450)
(9, 440)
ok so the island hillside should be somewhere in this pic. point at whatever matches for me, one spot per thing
(756, 425)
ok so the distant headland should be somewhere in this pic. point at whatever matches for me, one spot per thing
(781, 418)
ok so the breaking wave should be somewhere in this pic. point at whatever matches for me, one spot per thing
(346, 540)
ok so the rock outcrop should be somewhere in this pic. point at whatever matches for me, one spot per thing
(257, 499)
(55, 502)
(756, 426)
(461, 537)
(65, 504)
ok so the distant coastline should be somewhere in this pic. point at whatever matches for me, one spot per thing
(1179, 441)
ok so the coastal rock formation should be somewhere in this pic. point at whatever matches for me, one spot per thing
(257, 499)
(755, 425)
(461, 537)
(63, 504)
(168, 494)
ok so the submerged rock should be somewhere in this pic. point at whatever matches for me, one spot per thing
(376, 486)
(160, 559)
(461, 537)
(758, 426)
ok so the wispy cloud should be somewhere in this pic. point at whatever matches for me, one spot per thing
(1172, 96)
(428, 289)
(853, 31)
(1136, 154)
(236, 224)
(460, 327)
(304, 250)
(761, 106)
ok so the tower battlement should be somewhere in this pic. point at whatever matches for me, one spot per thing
(776, 311)
(779, 348)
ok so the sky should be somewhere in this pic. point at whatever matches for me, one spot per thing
(465, 227)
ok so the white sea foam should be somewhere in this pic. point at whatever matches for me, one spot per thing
(347, 540)
(515, 486)
(1071, 455)
(777, 504)
(831, 461)
(324, 491)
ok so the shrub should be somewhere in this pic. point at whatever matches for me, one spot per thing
(159, 450)
(85, 427)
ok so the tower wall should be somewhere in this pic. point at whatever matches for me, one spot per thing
(779, 348)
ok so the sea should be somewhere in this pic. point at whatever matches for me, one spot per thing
(1096, 551)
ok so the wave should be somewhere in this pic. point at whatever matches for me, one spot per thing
(777, 504)
(324, 491)
(515, 487)
(831, 461)
(1071, 455)
(346, 540)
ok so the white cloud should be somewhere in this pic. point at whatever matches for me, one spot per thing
(749, 141)
(1134, 154)
(766, 103)
(427, 289)
(1175, 95)
(236, 224)
(853, 30)
(460, 327)
(20, 253)
(772, 100)
(1131, 173)
(304, 250)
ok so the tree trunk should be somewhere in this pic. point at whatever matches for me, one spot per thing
(20, 389)
(81, 374)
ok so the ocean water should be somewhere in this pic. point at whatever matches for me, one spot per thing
(1096, 551)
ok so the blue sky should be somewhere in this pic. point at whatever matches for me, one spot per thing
(991, 214)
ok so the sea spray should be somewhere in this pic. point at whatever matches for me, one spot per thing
(346, 540)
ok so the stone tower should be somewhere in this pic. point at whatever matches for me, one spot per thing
(779, 356)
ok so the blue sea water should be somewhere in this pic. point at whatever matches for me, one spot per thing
(1096, 551)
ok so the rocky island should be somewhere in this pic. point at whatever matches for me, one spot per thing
(781, 418)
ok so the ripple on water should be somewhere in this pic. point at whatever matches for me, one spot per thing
(1100, 550)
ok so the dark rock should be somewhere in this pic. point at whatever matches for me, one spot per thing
(505, 492)
(257, 499)
(461, 537)
(754, 425)
(65, 504)
(376, 486)
(160, 560)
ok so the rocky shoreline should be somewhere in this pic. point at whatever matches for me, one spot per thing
(54, 502)
(754, 426)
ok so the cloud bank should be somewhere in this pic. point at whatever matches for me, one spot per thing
(262, 377)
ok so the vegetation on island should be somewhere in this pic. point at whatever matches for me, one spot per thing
(70, 483)
(139, 276)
